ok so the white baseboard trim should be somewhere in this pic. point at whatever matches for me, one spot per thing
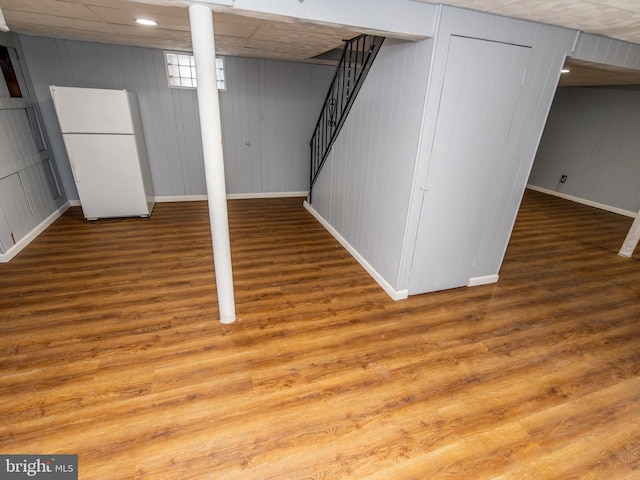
(24, 241)
(583, 201)
(180, 198)
(484, 280)
(241, 196)
(201, 198)
(386, 286)
(230, 196)
(29, 237)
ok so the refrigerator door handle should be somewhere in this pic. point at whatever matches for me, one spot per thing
(73, 169)
(72, 162)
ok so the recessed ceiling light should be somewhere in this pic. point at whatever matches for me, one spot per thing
(565, 70)
(146, 21)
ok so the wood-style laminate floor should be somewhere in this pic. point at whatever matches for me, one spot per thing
(110, 348)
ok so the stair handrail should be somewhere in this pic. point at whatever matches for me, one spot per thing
(337, 103)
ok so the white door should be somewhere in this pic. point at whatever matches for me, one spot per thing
(482, 84)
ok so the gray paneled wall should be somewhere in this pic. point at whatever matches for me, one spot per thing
(594, 48)
(592, 137)
(268, 114)
(549, 47)
(30, 193)
(364, 188)
(371, 191)
(477, 106)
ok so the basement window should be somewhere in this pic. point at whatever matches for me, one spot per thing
(181, 71)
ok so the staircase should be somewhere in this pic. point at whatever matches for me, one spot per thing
(357, 57)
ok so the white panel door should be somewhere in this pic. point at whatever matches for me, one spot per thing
(107, 173)
(482, 84)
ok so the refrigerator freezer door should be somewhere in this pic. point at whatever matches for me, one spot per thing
(92, 110)
(107, 173)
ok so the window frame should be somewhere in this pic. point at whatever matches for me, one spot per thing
(219, 61)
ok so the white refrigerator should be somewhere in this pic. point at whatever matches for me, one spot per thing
(102, 133)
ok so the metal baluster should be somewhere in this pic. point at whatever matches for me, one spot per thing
(357, 56)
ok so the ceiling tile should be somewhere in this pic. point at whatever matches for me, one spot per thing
(141, 8)
(629, 5)
(15, 19)
(170, 21)
(233, 29)
(239, 19)
(229, 45)
(297, 38)
(481, 5)
(152, 32)
(50, 7)
(111, 21)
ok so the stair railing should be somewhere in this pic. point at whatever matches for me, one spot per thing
(357, 56)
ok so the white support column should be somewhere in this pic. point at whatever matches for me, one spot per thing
(201, 21)
(631, 242)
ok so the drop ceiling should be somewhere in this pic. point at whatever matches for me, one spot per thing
(113, 21)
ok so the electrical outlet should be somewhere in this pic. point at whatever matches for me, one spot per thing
(563, 179)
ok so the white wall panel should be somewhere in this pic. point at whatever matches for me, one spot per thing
(592, 137)
(363, 190)
(170, 117)
(549, 46)
(482, 86)
(240, 107)
(14, 201)
(40, 185)
(371, 191)
(598, 49)
(29, 189)
(290, 100)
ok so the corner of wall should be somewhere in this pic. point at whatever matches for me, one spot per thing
(386, 286)
(29, 237)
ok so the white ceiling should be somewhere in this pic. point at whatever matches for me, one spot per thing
(613, 18)
(112, 21)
